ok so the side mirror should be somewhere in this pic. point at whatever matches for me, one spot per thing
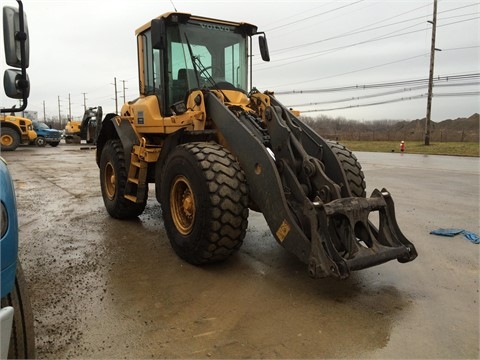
(15, 86)
(15, 32)
(15, 39)
(262, 42)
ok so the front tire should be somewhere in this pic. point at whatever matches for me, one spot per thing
(113, 180)
(204, 199)
(40, 141)
(10, 139)
(352, 168)
(22, 339)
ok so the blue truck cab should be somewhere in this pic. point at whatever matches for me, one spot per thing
(45, 135)
(8, 251)
(9, 231)
(16, 319)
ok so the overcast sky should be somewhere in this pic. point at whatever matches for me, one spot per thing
(78, 47)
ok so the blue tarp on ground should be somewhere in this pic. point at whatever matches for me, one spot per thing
(452, 232)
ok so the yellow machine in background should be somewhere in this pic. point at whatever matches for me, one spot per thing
(76, 131)
(14, 131)
(72, 129)
(215, 147)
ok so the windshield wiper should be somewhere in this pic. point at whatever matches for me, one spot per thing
(199, 68)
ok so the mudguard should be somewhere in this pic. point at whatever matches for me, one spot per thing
(117, 127)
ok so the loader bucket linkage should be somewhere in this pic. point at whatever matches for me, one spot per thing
(351, 241)
(311, 213)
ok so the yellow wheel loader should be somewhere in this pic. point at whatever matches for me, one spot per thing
(76, 131)
(216, 147)
(14, 131)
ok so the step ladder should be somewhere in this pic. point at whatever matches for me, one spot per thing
(136, 186)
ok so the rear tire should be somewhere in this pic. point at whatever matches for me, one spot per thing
(352, 168)
(9, 139)
(113, 179)
(204, 199)
(22, 339)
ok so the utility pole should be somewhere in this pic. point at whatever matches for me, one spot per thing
(430, 79)
(116, 95)
(44, 114)
(124, 81)
(84, 102)
(69, 108)
(59, 116)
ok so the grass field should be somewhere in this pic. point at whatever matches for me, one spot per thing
(417, 147)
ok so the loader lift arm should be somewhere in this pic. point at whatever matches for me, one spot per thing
(302, 205)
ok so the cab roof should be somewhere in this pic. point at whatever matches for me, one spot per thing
(183, 17)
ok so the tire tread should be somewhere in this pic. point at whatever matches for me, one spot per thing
(228, 205)
(352, 168)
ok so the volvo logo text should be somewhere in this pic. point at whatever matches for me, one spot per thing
(215, 27)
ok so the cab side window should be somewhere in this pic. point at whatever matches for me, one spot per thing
(151, 66)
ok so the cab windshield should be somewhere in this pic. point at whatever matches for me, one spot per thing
(207, 55)
(40, 125)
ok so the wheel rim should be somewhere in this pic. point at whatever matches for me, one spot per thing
(7, 140)
(110, 180)
(182, 205)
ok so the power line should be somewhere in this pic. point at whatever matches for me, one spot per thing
(370, 67)
(415, 97)
(467, 93)
(359, 31)
(297, 14)
(444, 78)
(385, 93)
(358, 97)
(315, 54)
(313, 16)
(369, 27)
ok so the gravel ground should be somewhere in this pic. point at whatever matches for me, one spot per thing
(103, 288)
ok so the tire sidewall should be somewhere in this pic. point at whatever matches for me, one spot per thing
(182, 163)
(13, 135)
(40, 141)
(118, 207)
(108, 156)
(22, 339)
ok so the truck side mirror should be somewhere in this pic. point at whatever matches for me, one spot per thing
(15, 86)
(15, 39)
(15, 31)
(262, 42)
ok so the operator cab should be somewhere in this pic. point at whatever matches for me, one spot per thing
(179, 53)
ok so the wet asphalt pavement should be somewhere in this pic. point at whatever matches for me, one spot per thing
(104, 288)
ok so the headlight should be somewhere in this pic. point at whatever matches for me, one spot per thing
(4, 221)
